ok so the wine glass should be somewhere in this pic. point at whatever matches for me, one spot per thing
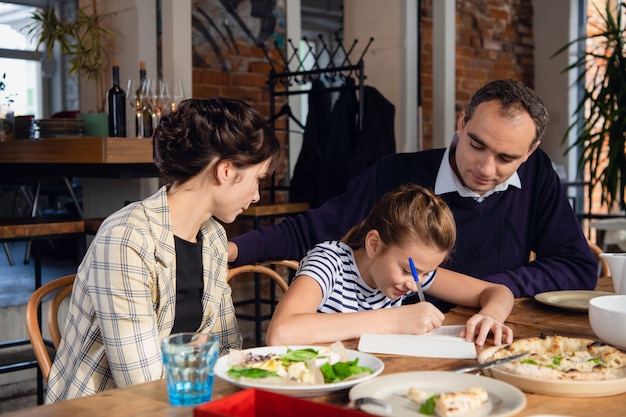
(140, 101)
(178, 95)
(160, 100)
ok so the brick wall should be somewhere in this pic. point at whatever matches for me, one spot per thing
(227, 61)
(494, 40)
(246, 80)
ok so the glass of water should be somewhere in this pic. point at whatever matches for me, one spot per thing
(189, 360)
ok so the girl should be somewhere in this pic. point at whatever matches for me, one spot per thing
(367, 275)
(159, 266)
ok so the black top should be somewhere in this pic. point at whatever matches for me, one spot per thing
(189, 285)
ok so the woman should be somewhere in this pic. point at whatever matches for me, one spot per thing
(367, 274)
(159, 266)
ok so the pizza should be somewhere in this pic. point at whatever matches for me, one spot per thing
(563, 358)
(449, 404)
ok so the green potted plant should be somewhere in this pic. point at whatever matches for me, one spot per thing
(600, 117)
(84, 40)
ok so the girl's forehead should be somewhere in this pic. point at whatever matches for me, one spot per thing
(424, 256)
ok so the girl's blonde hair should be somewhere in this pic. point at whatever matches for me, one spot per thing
(407, 214)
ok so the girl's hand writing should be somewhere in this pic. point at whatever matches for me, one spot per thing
(419, 318)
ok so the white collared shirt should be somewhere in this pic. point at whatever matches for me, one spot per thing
(448, 182)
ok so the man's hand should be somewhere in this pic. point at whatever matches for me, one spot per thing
(233, 252)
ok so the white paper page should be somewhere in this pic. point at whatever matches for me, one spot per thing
(441, 343)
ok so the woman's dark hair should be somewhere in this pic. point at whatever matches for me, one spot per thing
(513, 96)
(201, 131)
(407, 214)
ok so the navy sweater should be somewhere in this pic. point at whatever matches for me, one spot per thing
(494, 238)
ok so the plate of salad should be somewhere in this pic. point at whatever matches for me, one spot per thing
(299, 371)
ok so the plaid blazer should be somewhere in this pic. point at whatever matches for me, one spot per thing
(124, 297)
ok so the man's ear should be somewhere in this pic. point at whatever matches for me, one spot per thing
(460, 123)
(373, 244)
(532, 149)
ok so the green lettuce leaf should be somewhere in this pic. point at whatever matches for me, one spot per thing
(342, 370)
(242, 371)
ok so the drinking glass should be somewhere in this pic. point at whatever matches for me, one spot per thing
(140, 101)
(160, 100)
(178, 95)
(189, 360)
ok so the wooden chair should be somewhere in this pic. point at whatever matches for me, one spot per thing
(258, 269)
(289, 263)
(261, 271)
(63, 287)
(603, 265)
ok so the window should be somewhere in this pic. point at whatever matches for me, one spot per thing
(39, 86)
(19, 62)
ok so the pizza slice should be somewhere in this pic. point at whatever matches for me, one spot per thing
(449, 404)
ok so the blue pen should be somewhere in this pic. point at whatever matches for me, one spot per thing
(420, 293)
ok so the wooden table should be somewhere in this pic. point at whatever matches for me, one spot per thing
(97, 157)
(528, 319)
(26, 163)
(38, 228)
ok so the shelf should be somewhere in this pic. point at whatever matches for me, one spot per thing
(78, 150)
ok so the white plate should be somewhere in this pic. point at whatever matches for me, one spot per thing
(372, 362)
(504, 399)
(555, 387)
(576, 300)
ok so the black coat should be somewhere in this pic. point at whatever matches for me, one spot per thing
(334, 150)
(307, 170)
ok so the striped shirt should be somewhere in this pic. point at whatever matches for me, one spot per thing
(332, 265)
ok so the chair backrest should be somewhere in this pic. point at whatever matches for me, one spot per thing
(259, 269)
(64, 287)
(603, 265)
(289, 263)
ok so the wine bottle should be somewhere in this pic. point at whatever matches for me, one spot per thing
(146, 130)
(117, 105)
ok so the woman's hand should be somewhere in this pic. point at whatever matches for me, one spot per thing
(478, 326)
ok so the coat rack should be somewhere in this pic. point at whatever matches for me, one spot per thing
(331, 72)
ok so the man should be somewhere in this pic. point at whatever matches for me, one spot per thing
(506, 198)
